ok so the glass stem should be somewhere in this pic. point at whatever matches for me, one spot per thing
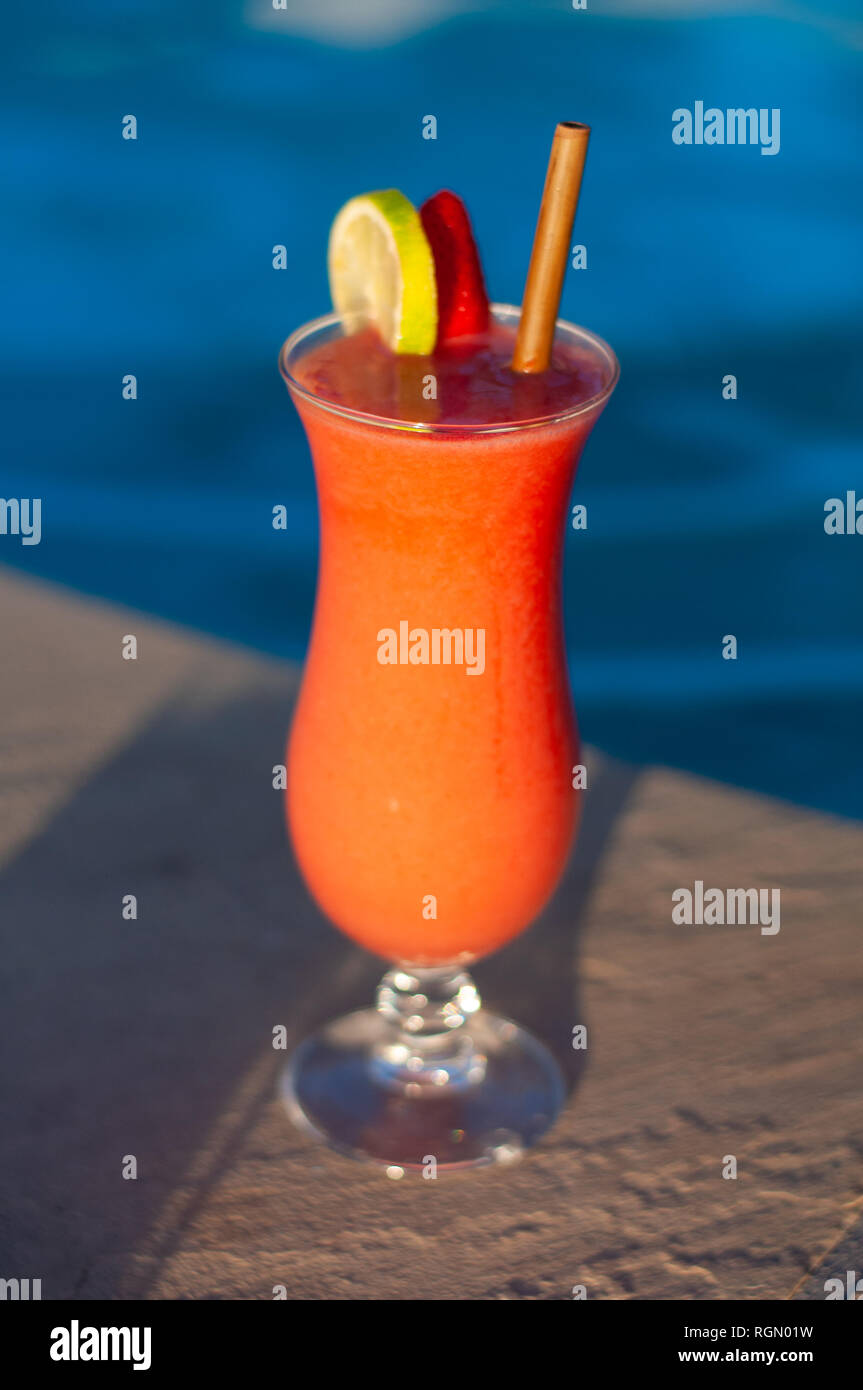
(430, 1045)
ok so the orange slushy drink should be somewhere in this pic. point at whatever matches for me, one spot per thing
(430, 793)
(431, 797)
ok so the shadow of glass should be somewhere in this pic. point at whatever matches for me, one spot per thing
(147, 1037)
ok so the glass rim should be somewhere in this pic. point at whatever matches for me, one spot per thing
(502, 311)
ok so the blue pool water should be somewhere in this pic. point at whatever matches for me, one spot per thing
(154, 257)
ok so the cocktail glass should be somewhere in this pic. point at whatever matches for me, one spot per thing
(431, 803)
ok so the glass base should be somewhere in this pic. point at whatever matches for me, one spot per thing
(373, 1093)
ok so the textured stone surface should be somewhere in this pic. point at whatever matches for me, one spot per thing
(152, 1037)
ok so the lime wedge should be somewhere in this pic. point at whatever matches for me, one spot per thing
(382, 270)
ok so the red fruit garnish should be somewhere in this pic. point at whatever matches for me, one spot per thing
(462, 300)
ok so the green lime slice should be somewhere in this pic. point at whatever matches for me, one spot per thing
(382, 270)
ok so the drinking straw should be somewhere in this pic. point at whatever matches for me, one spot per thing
(550, 253)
